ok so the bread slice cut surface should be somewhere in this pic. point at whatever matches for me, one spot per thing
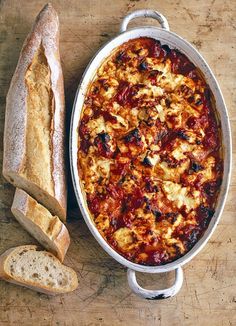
(47, 229)
(38, 270)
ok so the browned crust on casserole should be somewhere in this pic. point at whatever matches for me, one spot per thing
(150, 152)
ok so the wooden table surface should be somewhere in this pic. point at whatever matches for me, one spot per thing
(208, 295)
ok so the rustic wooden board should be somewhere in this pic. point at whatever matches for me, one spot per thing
(208, 296)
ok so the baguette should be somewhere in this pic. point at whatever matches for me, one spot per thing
(50, 232)
(34, 131)
(38, 270)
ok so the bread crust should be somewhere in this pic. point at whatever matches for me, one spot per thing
(31, 285)
(45, 33)
(39, 222)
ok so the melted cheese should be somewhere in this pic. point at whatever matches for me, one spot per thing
(123, 236)
(96, 126)
(181, 195)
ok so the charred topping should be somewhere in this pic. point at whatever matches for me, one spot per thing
(143, 66)
(171, 161)
(150, 122)
(101, 141)
(155, 73)
(167, 136)
(84, 145)
(168, 102)
(162, 134)
(103, 82)
(196, 167)
(204, 214)
(219, 166)
(104, 137)
(181, 134)
(190, 99)
(122, 180)
(150, 187)
(149, 232)
(146, 162)
(100, 180)
(189, 235)
(124, 207)
(192, 238)
(166, 48)
(122, 57)
(186, 90)
(171, 217)
(95, 90)
(133, 136)
(198, 102)
(211, 188)
(157, 215)
(191, 122)
(148, 204)
(207, 94)
(153, 76)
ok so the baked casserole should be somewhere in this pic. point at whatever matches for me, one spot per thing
(150, 152)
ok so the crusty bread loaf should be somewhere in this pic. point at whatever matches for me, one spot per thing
(35, 118)
(38, 270)
(41, 224)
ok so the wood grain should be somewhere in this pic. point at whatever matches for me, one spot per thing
(208, 296)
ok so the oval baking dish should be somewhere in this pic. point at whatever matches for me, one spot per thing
(173, 41)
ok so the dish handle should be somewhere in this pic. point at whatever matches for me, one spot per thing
(155, 294)
(144, 13)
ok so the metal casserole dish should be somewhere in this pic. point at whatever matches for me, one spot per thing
(174, 41)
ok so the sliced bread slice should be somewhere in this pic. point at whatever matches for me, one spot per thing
(50, 232)
(38, 270)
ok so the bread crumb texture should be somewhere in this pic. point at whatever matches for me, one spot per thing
(40, 268)
(40, 107)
